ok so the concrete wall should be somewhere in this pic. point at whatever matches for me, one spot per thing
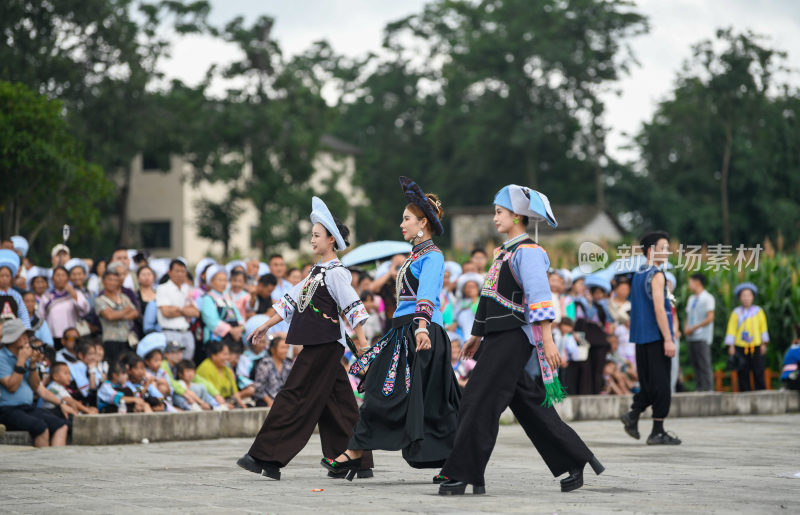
(156, 427)
(159, 427)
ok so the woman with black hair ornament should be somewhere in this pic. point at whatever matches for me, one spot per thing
(317, 391)
(512, 321)
(411, 395)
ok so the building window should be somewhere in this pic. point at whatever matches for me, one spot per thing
(156, 235)
(255, 241)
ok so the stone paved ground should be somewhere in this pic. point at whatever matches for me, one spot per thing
(726, 465)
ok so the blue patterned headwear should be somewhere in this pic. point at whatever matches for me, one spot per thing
(235, 263)
(198, 270)
(9, 259)
(320, 214)
(20, 245)
(745, 286)
(526, 202)
(214, 270)
(415, 195)
(598, 281)
(150, 343)
(72, 263)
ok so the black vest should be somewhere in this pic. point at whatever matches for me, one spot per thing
(502, 303)
(319, 323)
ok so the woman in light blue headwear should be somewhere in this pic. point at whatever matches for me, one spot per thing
(513, 321)
(317, 391)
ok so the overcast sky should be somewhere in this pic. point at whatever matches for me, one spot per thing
(354, 27)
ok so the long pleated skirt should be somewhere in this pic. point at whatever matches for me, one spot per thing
(411, 398)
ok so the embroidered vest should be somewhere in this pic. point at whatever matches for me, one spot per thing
(319, 322)
(410, 284)
(502, 303)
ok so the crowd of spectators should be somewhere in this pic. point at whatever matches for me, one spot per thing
(134, 334)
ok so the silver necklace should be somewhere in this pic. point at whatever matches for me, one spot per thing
(309, 289)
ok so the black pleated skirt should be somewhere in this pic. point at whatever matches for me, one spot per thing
(411, 399)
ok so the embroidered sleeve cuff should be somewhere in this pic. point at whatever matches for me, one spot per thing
(729, 339)
(222, 328)
(355, 314)
(541, 311)
(285, 307)
(424, 311)
(765, 337)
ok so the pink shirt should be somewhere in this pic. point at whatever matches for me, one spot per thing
(62, 311)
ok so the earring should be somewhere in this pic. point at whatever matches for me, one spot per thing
(516, 221)
(419, 234)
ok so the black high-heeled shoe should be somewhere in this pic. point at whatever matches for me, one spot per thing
(265, 468)
(575, 478)
(453, 487)
(361, 474)
(351, 466)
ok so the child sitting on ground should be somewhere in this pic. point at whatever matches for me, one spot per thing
(140, 385)
(615, 372)
(188, 380)
(91, 380)
(60, 378)
(114, 397)
(152, 363)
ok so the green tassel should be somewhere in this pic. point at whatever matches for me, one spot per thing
(555, 393)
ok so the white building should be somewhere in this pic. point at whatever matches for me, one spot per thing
(162, 207)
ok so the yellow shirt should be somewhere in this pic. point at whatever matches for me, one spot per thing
(747, 327)
(224, 381)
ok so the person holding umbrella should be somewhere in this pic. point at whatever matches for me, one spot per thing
(513, 320)
(411, 394)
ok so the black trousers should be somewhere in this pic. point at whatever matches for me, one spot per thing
(753, 362)
(115, 350)
(654, 370)
(499, 380)
(579, 378)
(317, 391)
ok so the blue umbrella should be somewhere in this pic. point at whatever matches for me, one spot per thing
(375, 251)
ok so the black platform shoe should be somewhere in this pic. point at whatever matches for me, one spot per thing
(631, 425)
(575, 478)
(439, 479)
(361, 474)
(453, 487)
(257, 466)
(663, 438)
(349, 467)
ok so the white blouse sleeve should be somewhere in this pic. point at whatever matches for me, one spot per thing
(287, 304)
(339, 282)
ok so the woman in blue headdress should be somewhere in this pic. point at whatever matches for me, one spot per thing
(513, 320)
(411, 395)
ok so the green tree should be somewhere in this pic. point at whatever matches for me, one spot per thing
(45, 179)
(98, 57)
(215, 220)
(720, 158)
(268, 131)
(497, 88)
